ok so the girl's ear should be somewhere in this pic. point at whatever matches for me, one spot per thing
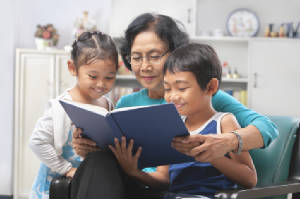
(212, 86)
(72, 68)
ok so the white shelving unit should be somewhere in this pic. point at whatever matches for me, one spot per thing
(39, 76)
(262, 62)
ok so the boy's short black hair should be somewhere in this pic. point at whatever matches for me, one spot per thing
(200, 59)
(164, 26)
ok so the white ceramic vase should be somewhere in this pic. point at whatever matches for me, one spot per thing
(42, 44)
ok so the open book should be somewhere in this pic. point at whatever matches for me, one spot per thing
(151, 127)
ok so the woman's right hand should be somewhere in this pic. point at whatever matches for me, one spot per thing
(83, 146)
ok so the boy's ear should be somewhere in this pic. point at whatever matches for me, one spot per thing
(213, 86)
(72, 68)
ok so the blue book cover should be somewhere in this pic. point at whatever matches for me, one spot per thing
(151, 127)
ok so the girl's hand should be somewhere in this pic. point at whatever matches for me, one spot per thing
(71, 173)
(126, 159)
(204, 148)
(83, 146)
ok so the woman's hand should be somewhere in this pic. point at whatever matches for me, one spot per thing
(205, 148)
(83, 146)
(71, 173)
(126, 159)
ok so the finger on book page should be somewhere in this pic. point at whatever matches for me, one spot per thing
(77, 133)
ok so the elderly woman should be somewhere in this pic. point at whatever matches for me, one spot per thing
(149, 40)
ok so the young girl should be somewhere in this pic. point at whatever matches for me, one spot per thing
(94, 62)
(191, 77)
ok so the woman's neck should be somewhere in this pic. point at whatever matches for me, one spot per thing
(156, 93)
(196, 120)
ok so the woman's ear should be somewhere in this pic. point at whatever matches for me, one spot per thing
(72, 68)
(213, 86)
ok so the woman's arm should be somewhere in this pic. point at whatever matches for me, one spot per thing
(129, 163)
(257, 131)
(238, 168)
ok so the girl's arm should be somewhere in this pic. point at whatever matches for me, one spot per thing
(129, 163)
(42, 144)
(257, 131)
(238, 168)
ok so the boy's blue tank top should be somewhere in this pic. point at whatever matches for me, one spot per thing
(196, 177)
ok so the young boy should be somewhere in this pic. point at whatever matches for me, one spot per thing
(192, 74)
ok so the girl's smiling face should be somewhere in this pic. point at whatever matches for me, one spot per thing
(96, 79)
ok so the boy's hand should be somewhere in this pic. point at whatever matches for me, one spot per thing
(126, 159)
(83, 146)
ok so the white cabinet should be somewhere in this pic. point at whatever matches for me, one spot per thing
(39, 76)
(274, 76)
(269, 68)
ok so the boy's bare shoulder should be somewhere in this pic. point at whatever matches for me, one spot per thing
(229, 123)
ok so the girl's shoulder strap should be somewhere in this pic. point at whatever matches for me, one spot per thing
(110, 104)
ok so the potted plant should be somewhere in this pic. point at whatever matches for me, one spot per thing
(46, 36)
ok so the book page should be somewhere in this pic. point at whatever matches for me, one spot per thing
(131, 108)
(93, 108)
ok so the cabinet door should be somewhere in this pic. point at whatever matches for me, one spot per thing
(33, 88)
(64, 79)
(274, 80)
(184, 11)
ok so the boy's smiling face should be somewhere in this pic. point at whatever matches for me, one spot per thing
(182, 89)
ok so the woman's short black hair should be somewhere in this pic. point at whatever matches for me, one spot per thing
(200, 59)
(164, 26)
(91, 46)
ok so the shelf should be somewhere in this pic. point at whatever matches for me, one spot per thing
(238, 80)
(225, 38)
(126, 77)
(240, 39)
(227, 80)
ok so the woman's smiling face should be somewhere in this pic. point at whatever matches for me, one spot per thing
(151, 52)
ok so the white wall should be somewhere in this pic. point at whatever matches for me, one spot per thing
(61, 14)
(6, 99)
(123, 12)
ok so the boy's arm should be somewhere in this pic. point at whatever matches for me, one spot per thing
(129, 163)
(238, 168)
(158, 179)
